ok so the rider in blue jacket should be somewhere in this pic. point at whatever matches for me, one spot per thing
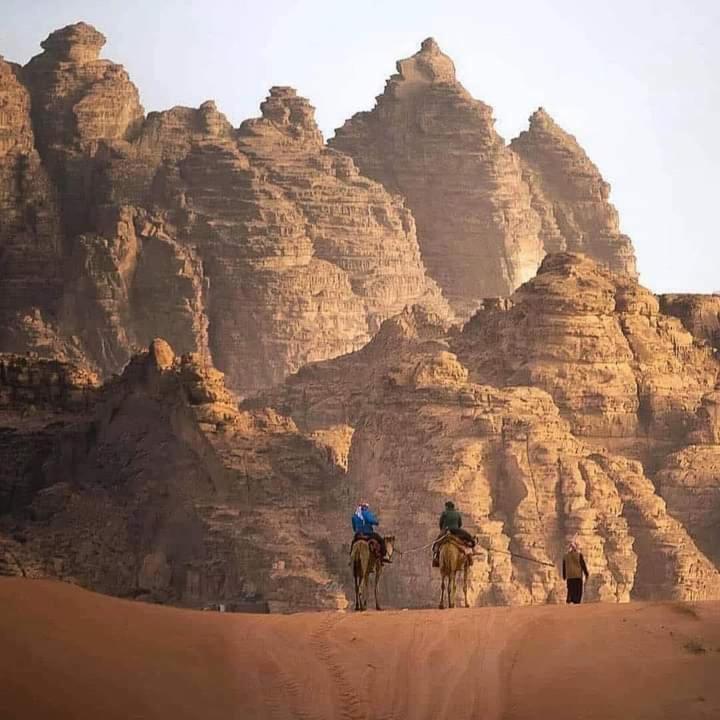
(363, 525)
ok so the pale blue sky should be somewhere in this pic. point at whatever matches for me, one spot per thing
(636, 81)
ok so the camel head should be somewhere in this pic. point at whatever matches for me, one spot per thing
(389, 544)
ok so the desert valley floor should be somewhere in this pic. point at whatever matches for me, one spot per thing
(71, 654)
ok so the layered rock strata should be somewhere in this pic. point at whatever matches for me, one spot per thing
(570, 196)
(700, 314)
(30, 241)
(260, 247)
(79, 103)
(429, 140)
(625, 376)
(424, 432)
(486, 213)
(351, 221)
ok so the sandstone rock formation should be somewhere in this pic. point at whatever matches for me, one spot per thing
(581, 406)
(486, 213)
(570, 196)
(424, 431)
(79, 102)
(625, 376)
(700, 314)
(428, 139)
(260, 247)
(197, 501)
(30, 238)
(156, 486)
(352, 222)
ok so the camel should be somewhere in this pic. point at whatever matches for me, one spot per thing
(363, 564)
(453, 559)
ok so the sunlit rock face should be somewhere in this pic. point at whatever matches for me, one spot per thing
(157, 486)
(259, 247)
(570, 196)
(274, 350)
(486, 213)
(554, 415)
(625, 375)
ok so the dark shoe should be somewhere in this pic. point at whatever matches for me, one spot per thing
(387, 561)
(436, 562)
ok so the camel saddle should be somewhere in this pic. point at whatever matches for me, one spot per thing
(448, 537)
(373, 544)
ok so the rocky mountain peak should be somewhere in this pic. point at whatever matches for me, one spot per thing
(541, 119)
(429, 64)
(570, 195)
(285, 108)
(79, 43)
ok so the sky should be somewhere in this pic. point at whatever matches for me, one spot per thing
(636, 81)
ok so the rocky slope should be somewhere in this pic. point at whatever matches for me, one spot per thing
(486, 213)
(425, 431)
(626, 376)
(260, 247)
(700, 314)
(156, 486)
(581, 406)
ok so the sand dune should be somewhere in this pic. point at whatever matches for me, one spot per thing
(66, 653)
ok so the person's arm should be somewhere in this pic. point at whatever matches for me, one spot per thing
(370, 519)
(584, 567)
(564, 578)
(459, 520)
(442, 520)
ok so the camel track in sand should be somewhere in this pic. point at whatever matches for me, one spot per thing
(351, 705)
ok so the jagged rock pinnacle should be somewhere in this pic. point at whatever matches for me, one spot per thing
(430, 45)
(284, 106)
(76, 43)
(429, 64)
(541, 119)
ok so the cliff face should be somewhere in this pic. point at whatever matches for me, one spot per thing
(570, 196)
(351, 221)
(258, 246)
(157, 485)
(425, 431)
(625, 376)
(30, 240)
(580, 407)
(486, 213)
(700, 314)
(78, 103)
(429, 140)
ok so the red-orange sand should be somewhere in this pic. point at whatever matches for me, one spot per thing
(69, 653)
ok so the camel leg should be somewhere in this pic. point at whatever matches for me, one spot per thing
(378, 572)
(442, 592)
(451, 590)
(356, 577)
(465, 584)
(366, 578)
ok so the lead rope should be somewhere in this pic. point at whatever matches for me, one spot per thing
(504, 552)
